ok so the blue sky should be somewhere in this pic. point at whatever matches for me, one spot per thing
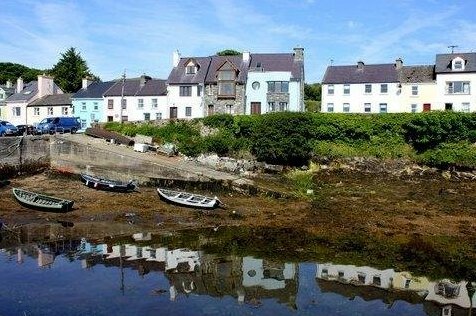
(140, 35)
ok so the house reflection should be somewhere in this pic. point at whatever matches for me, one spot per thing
(443, 297)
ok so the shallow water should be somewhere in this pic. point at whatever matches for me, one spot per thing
(138, 275)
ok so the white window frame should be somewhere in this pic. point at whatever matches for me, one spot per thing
(330, 89)
(158, 115)
(414, 107)
(154, 103)
(50, 110)
(83, 106)
(415, 90)
(95, 106)
(346, 107)
(347, 89)
(465, 107)
(383, 106)
(229, 108)
(369, 90)
(330, 107)
(140, 104)
(16, 111)
(64, 110)
(458, 64)
(188, 111)
(368, 106)
(384, 88)
(36, 111)
(464, 85)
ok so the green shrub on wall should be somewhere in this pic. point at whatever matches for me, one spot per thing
(461, 154)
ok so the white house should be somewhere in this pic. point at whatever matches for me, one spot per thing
(16, 104)
(143, 99)
(356, 275)
(455, 76)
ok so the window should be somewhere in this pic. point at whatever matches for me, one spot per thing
(140, 104)
(346, 108)
(377, 280)
(465, 107)
(188, 111)
(283, 106)
(229, 108)
(361, 277)
(330, 107)
(340, 274)
(414, 108)
(146, 116)
(93, 117)
(330, 89)
(278, 86)
(226, 81)
(324, 273)
(367, 107)
(384, 88)
(125, 118)
(191, 70)
(255, 85)
(185, 91)
(64, 110)
(199, 90)
(124, 104)
(110, 104)
(458, 64)
(95, 106)
(346, 89)
(83, 124)
(16, 111)
(407, 283)
(36, 111)
(383, 107)
(271, 107)
(368, 88)
(50, 110)
(154, 103)
(158, 116)
(110, 119)
(414, 90)
(457, 87)
(83, 106)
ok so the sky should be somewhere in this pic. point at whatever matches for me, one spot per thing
(140, 36)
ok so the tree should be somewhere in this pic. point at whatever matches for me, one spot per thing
(312, 91)
(11, 71)
(70, 70)
(228, 52)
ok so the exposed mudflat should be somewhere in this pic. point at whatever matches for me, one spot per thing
(344, 202)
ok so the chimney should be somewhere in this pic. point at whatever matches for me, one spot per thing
(19, 85)
(398, 64)
(85, 83)
(175, 58)
(246, 56)
(143, 80)
(45, 85)
(360, 65)
(298, 54)
(9, 84)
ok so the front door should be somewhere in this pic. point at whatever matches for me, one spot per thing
(255, 107)
(173, 112)
(426, 107)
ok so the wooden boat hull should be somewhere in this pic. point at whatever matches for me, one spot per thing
(188, 199)
(107, 185)
(42, 202)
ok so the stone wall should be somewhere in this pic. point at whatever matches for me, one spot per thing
(19, 154)
(211, 97)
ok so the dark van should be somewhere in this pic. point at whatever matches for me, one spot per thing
(53, 125)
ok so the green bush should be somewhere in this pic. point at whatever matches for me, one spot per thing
(283, 138)
(191, 147)
(220, 143)
(461, 154)
(428, 130)
(219, 121)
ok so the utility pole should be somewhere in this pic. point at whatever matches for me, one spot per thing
(452, 48)
(122, 94)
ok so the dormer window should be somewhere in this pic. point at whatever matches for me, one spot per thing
(191, 67)
(226, 80)
(191, 70)
(458, 64)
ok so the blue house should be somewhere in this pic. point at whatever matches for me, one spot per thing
(88, 103)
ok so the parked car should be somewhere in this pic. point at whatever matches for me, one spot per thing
(26, 130)
(7, 128)
(64, 124)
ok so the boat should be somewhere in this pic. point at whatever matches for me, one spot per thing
(41, 201)
(106, 184)
(188, 199)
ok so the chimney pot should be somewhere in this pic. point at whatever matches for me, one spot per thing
(298, 54)
(85, 83)
(398, 63)
(360, 65)
(20, 85)
(175, 58)
(246, 56)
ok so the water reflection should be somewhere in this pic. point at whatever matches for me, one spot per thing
(196, 282)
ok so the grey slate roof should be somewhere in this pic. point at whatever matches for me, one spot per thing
(29, 91)
(443, 62)
(94, 91)
(218, 61)
(178, 75)
(378, 73)
(277, 62)
(53, 100)
(132, 87)
(417, 74)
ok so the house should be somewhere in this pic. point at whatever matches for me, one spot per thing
(239, 84)
(51, 105)
(455, 75)
(88, 103)
(362, 88)
(275, 83)
(5, 91)
(418, 88)
(16, 104)
(136, 99)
